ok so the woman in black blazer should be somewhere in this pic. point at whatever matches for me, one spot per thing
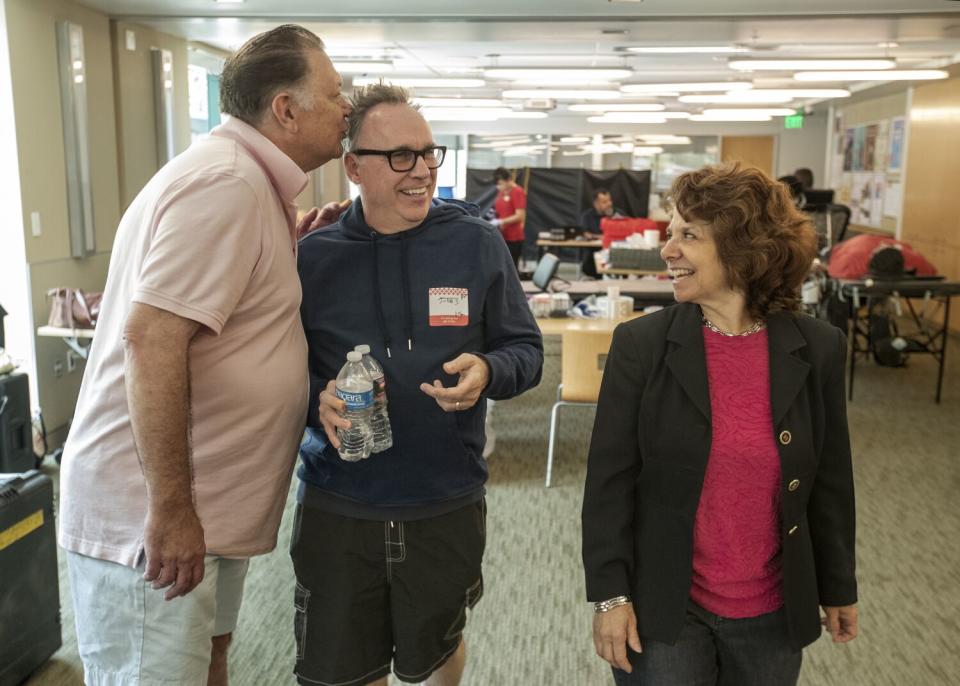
(718, 511)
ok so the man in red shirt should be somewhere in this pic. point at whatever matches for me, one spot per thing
(511, 209)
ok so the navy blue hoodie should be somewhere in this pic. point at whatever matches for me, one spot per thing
(363, 287)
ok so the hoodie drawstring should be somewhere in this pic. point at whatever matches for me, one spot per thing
(405, 284)
(381, 320)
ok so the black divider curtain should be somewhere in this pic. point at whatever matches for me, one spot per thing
(557, 197)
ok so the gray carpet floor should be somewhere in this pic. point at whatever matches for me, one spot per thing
(533, 624)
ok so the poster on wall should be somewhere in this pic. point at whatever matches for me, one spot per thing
(883, 145)
(866, 199)
(897, 131)
(848, 150)
(859, 140)
(869, 149)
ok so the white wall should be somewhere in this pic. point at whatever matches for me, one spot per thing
(14, 274)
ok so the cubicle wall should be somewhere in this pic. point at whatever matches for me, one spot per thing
(557, 197)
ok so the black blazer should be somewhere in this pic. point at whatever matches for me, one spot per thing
(648, 455)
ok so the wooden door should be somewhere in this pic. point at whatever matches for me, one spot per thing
(752, 151)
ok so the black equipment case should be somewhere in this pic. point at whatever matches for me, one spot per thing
(29, 586)
(16, 431)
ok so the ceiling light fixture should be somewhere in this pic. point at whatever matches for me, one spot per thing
(524, 115)
(573, 140)
(711, 86)
(823, 65)
(463, 113)
(744, 97)
(892, 75)
(760, 112)
(627, 118)
(362, 67)
(458, 102)
(422, 82)
(688, 49)
(561, 94)
(557, 74)
(619, 107)
(730, 118)
(229, 2)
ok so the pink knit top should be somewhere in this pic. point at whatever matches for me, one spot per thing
(736, 542)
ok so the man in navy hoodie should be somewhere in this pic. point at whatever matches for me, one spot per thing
(387, 550)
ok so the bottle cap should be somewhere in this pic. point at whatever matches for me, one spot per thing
(363, 349)
(354, 356)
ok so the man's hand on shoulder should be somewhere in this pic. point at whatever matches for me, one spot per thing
(474, 377)
(174, 547)
(319, 217)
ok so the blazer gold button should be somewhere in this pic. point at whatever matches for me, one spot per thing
(785, 437)
(793, 485)
(793, 530)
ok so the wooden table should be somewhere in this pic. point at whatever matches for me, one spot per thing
(557, 326)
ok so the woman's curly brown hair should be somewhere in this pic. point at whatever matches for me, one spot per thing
(765, 244)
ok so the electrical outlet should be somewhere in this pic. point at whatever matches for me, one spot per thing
(72, 358)
(58, 368)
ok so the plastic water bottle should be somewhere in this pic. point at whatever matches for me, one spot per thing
(355, 389)
(380, 422)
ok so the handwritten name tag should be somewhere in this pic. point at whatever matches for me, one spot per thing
(449, 307)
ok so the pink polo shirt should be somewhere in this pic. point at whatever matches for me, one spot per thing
(210, 238)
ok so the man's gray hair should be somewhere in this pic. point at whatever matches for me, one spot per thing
(366, 98)
(266, 64)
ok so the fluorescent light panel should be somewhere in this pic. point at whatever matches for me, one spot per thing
(524, 115)
(703, 86)
(741, 117)
(780, 65)
(458, 102)
(891, 75)
(557, 74)
(619, 107)
(688, 49)
(355, 67)
(422, 82)
(760, 112)
(637, 118)
(561, 94)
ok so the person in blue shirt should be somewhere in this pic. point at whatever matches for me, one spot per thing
(387, 550)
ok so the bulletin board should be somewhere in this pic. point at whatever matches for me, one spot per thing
(866, 169)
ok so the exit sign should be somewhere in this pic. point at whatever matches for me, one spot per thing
(794, 121)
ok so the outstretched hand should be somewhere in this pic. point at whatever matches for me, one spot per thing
(474, 377)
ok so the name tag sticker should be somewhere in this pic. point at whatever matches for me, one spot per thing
(449, 307)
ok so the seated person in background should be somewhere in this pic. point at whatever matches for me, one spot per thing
(796, 188)
(590, 224)
(805, 177)
(602, 207)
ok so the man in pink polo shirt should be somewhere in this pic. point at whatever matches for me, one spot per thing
(186, 430)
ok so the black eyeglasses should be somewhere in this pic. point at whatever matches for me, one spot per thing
(404, 160)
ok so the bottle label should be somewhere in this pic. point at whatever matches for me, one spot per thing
(356, 400)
